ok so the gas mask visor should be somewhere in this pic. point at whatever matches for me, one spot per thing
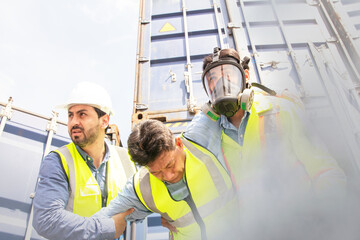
(224, 81)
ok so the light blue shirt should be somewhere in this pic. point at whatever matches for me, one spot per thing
(127, 199)
(207, 132)
(51, 220)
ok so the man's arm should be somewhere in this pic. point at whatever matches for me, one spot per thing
(126, 199)
(120, 223)
(205, 132)
(322, 168)
(51, 220)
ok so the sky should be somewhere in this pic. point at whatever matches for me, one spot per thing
(47, 47)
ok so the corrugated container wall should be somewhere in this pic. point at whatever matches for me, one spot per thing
(310, 47)
(25, 138)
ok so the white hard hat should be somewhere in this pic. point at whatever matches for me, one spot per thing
(92, 94)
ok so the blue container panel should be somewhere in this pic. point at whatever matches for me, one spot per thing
(164, 25)
(160, 7)
(261, 11)
(352, 7)
(164, 6)
(276, 34)
(283, 76)
(198, 5)
(266, 36)
(200, 94)
(302, 23)
(170, 45)
(156, 90)
(23, 161)
(155, 230)
(166, 94)
(203, 45)
(168, 48)
(20, 162)
(203, 21)
(22, 146)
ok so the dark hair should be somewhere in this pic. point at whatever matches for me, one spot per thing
(228, 53)
(224, 53)
(99, 112)
(148, 140)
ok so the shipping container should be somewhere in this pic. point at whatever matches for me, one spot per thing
(25, 138)
(309, 47)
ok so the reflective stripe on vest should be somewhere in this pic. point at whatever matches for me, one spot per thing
(269, 133)
(84, 191)
(272, 144)
(208, 184)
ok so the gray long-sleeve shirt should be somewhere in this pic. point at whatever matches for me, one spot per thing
(127, 199)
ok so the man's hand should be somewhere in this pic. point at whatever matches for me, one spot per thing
(166, 224)
(120, 223)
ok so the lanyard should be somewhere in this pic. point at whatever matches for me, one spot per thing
(105, 196)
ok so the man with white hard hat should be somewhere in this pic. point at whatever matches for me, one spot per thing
(80, 178)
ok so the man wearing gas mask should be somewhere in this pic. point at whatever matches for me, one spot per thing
(276, 165)
(224, 81)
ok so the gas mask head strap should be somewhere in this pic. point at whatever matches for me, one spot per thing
(216, 61)
(216, 54)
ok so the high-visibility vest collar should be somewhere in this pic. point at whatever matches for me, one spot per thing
(210, 188)
(84, 192)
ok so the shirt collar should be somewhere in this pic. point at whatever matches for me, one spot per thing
(87, 158)
(226, 124)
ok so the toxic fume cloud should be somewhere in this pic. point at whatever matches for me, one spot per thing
(275, 204)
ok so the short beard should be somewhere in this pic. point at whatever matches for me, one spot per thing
(90, 136)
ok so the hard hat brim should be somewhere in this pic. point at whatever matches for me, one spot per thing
(66, 106)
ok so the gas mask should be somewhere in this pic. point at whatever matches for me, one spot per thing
(225, 83)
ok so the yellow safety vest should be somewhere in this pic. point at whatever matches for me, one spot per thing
(210, 188)
(84, 192)
(273, 134)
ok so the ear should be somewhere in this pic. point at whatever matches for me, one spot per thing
(247, 75)
(104, 121)
(178, 142)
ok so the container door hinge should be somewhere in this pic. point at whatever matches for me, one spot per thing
(191, 103)
(145, 21)
(141, 106)
(143, 59)
(32, 195)
(232, 25)
(52, 124)
(173, 76)
(7, 111)
(332, 40)
(273, 64)
(187, 84)
(313, 3)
